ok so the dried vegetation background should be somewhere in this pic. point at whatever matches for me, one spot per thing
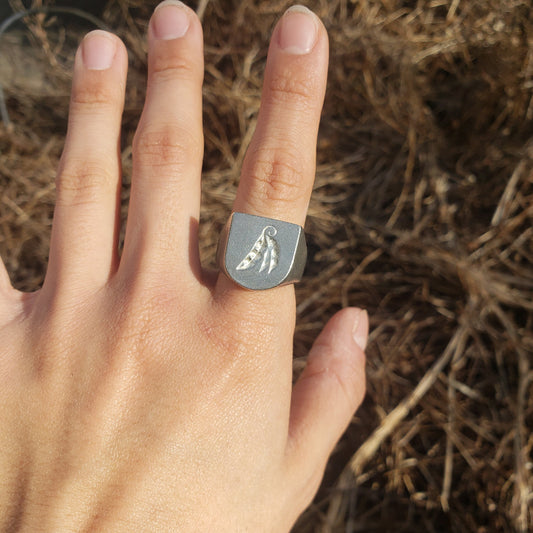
(422, 213)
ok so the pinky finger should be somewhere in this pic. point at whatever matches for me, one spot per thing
(326, 396)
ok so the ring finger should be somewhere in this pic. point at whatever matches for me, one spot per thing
(279, 167)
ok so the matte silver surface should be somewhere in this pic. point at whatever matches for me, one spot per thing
(260, 253)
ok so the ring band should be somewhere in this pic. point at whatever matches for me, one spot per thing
(261, 253)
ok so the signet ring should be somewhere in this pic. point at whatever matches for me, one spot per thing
(261, 253)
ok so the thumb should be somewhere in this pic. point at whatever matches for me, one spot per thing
(328, 392)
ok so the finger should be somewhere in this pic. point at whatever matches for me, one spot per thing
(168, 148)
(85, 229)
(278, 171)
(279, 167)
(328, 392)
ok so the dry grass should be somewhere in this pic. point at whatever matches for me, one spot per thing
(422, 213)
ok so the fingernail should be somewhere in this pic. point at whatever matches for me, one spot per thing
(360, 329)
(98, 50)
(170, 20)
(298, 31)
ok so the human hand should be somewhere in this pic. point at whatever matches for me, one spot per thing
(138, 393)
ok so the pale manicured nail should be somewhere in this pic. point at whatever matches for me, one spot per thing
(298, 30)
(170, 20)
(360, 329)
(98, 50)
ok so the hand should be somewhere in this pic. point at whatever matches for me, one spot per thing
(136, 392)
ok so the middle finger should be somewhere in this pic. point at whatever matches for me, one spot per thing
(168, 148)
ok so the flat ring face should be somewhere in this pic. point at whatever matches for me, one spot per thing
(261, 253)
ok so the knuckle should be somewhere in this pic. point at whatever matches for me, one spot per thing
(171, 67)
(278, 178)
(53, 335)
(227, 335)
(168, 145)
(139, 334)
(343, 374)
(88, 96)
(285, 87)
(238, 336)
(350, 383)
(84, 182)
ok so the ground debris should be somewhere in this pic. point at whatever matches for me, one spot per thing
(422, 213)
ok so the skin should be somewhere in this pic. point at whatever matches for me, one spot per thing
(136, 392)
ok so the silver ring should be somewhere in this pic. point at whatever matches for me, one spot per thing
(261, 253)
